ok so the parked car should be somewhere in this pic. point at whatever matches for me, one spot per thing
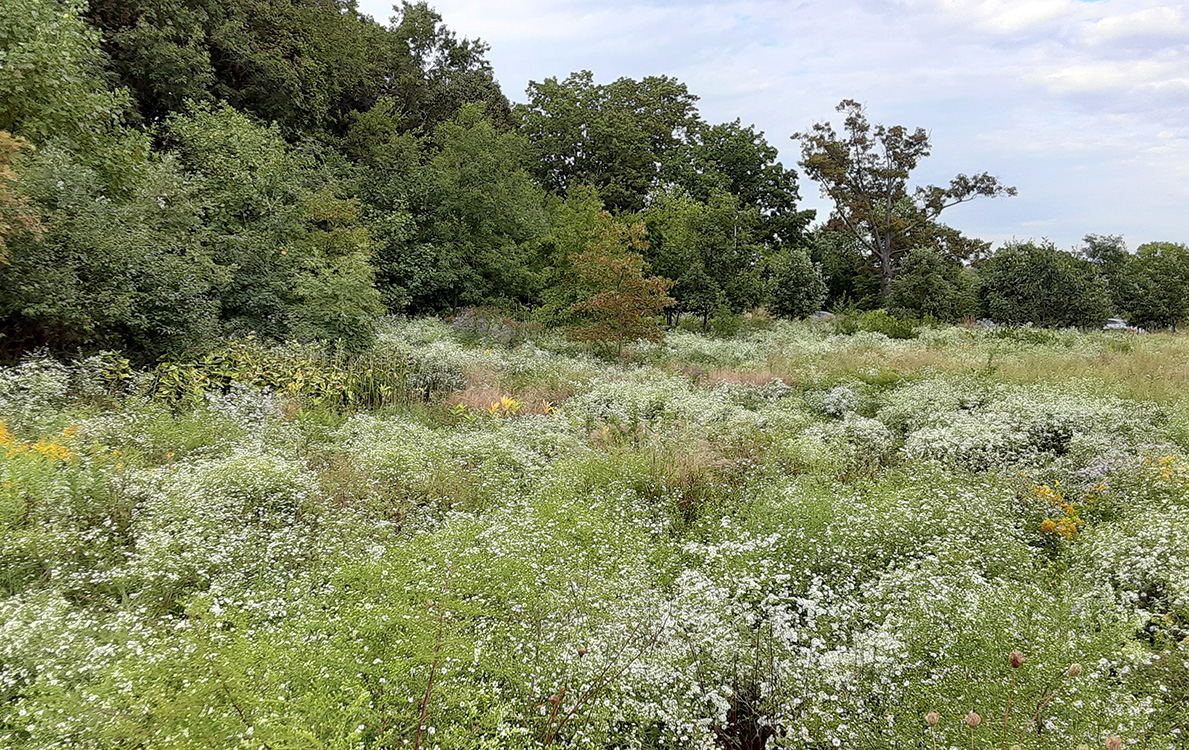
(1118, 324)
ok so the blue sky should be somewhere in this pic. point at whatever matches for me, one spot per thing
(1083, 106)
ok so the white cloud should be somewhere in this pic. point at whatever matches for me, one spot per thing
(1009, 17)
(1129, 77)
(1157, 24)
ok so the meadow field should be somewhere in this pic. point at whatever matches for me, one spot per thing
(478, 536)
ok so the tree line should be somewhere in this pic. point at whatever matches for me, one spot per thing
(176, 171)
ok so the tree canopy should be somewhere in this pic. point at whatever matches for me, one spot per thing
(865, 172)
(177, 171)
(613, 137)
(1037, 283)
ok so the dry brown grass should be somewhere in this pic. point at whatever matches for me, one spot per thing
(476, 396)
(1155, 368)
(692, 474)
(743, 377)
(532, 399)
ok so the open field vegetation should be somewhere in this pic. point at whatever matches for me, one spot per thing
(480, 537)
(587, 494)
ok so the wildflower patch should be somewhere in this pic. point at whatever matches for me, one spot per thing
(794, 538)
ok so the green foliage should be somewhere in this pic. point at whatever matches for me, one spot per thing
(335, 298)
(612, 137)
(726, 323)
(453, 216)
(767, 536)
(617, 301)
(488, 326)
(310, 374)
(111, 254)
(711, 248)
(932, 284)
(1039, 284)
(1110, 254)
(850, 279)
(130, 272)
(736, 159)
(576, 222)
(697, 293)
(300, 264)
(51, 75)
(483, 207)
(447, 72)
(252, 186)
(865, 174)
(307, 66)
(877, 321)
(797, 287)
(1027, 335)
(1159, 272)
(666, 557)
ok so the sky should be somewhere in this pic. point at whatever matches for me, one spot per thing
(1082, 106)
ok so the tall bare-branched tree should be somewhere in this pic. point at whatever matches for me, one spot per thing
(865, 172)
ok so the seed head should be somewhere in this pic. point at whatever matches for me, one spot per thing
(1083, 746)
(1114, 742)
(1075, 669)
(973, 720)
(932, 718)
(1016, 747)
(1017, 659)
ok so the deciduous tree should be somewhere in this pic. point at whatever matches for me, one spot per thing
(931, 283)
(618, 301)
(712, 248)
(851, 281)
(453, 214)
(1037, 283)
(129, 273)
(613, 137)
(865, 172)
(308, 65)
(738, 160)
(797, 287)
(1160, 274)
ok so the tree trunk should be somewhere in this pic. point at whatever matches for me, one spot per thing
(885, 270)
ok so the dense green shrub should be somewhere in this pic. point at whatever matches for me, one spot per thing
(126, 272)
(930, 284)
(1039, 284)
(876, 321)
(796, 285)
(1159, 274)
